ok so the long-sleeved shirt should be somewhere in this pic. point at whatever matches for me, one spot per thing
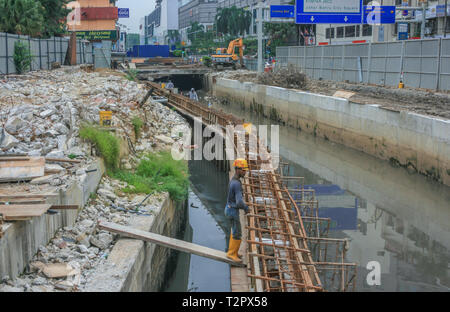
(193, 95)
(234, 199)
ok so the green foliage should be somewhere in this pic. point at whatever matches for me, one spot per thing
(72, 156)
(105, 142)
(22, 57)
(177, 53)
(233, 21)
(23, 17)
(132, 75)
(173, 36)
(196, 31)
(157, 172)
(55, 16)
(251, 46)
(137, 125)
(207, 61)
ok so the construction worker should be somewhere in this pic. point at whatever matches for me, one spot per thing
(170, 85)
(193, 95)
(234, 203)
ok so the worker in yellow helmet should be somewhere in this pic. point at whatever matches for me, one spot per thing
(235, 202)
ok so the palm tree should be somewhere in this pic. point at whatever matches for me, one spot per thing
(233, 21)
(195, 31)
(23, 17)
(173, 36)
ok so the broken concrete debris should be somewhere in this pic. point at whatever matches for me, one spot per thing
(40, 115)
(77, 250)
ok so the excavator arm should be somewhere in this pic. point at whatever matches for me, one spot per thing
(237, 43)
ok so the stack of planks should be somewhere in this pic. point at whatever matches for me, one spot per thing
(19, 207)
(25, 168)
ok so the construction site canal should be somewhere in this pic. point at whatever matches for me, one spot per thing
(206, 226)
(397, 218)
(389, 215)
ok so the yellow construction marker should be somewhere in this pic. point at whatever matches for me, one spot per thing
(105, 118)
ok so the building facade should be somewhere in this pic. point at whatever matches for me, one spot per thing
(156, 27)
(434, 27)
(200, 11)
(94, 19)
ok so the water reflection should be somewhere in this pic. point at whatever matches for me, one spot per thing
(399, 219)
(206, 226)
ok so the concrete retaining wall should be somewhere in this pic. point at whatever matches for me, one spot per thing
(413, 140)
(135, 265)
(22, 239)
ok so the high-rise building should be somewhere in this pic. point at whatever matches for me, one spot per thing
(200, 11)
(155, 28)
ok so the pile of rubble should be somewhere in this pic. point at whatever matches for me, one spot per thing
(75, 252)
(284, 77)
(40, 115)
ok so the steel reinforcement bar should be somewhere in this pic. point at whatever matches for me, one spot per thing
(279, 245)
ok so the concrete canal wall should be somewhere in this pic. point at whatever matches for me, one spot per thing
(419, 142)
(135, 265)
(22, 239)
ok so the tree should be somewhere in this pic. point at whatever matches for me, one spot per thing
(233, 21)
(173, 36)
(23, 17)
(55, 13)
(195, 31)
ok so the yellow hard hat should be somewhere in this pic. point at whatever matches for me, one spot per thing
(248, 127)
(241, 163)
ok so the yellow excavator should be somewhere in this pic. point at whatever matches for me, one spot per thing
(229, 57)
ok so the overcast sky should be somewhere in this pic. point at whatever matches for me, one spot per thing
(138, 9)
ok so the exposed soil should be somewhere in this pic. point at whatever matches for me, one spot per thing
(420, 101)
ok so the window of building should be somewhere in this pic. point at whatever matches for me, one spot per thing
(367, 30)
(329, 33)
(350, 31)
(340, 32)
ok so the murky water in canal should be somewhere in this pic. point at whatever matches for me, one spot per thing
(398, 219)
(206, 226)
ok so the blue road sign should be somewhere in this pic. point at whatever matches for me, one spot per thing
(402, 29)
(328, 11)
(379, 14)
(281, 11)
(124, 13)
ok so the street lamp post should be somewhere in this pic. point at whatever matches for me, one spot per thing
(445, 20)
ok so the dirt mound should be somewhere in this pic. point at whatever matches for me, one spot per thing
(285, 77)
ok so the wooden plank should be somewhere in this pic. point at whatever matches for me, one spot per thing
(18, 212)
(65, 207)
(21, 196)
(167, 242)
(50, 159)
(20, 168)
(26, 201)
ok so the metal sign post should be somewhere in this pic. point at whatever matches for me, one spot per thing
(260, 35)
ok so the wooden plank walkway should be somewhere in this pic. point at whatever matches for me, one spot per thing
(166, 242)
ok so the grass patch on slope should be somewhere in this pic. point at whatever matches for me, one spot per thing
(157, 172)
(106, 143)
